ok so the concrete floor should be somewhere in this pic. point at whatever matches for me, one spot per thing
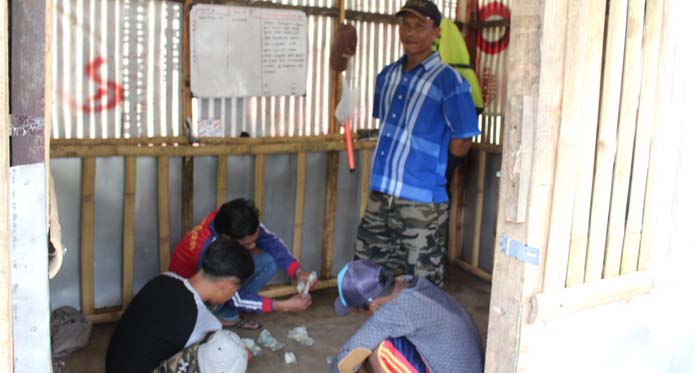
(328, 330)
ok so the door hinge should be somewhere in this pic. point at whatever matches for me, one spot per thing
(519, 250)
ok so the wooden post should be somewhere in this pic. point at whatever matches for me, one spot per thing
(365, 166)
(532, 106)
(128, 231)
(186, 112)
(163, 211)
(299, 205)
(6, 351)
(89, 165)
(332, 163)
(259, 177)
(221, 180)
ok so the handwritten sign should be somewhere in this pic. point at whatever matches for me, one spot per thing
(243, 51)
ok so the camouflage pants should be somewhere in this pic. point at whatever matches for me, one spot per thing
(184, 361)
(404, 236)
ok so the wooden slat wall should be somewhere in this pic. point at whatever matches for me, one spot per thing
(634, 256)
(606, 139)
(630, 91)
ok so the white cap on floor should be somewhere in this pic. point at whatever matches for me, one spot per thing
(224, 352)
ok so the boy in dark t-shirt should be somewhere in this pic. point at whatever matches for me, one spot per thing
(170, 313)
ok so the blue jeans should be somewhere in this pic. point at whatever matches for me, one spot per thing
(265, 268)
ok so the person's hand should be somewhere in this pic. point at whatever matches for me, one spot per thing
(303, 276)
(294, 304)
(250, 355)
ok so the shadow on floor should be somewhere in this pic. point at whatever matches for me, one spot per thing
(328, 330)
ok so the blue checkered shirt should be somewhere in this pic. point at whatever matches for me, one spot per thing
(419, 111)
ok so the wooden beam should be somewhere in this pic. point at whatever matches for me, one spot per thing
(128, 230)
(6, 345)
(89, 166)
(259, 177)
(478, 210)
(221, 180)
(548, 305)
(630, 91)
(592, 62)
(476, 270)
(632, 252)
(299, 205)
(606, 138)
(163, 211)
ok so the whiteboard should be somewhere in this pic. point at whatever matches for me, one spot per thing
(242, 51)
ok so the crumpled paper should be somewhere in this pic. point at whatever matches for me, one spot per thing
(301, 336)
(302, 288)
(253, 347)
(289, 358)
(267, 340)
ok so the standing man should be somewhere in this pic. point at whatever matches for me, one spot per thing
(425, 111)
(238, 220)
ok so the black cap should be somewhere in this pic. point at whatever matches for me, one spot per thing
(422, 9)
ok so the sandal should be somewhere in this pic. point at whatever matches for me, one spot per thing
(241, 323)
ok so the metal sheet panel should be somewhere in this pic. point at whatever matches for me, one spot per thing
(29, 251)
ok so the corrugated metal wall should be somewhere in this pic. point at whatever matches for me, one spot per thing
(116, 68)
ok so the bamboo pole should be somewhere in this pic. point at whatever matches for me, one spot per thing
(630, 90)
(6, 345)
(299, 205)
(548, 305)
(259, 177)
(128, 230)
(163, 211)
(332, 162)
(87, 236)
(592, 62)
(478, 210)
(568, 152)
(365, 167)
(70, 151)
(632, 251)
(283, 290)
(606, 138)
(454, 244)
(221, 179)
(186, 115)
